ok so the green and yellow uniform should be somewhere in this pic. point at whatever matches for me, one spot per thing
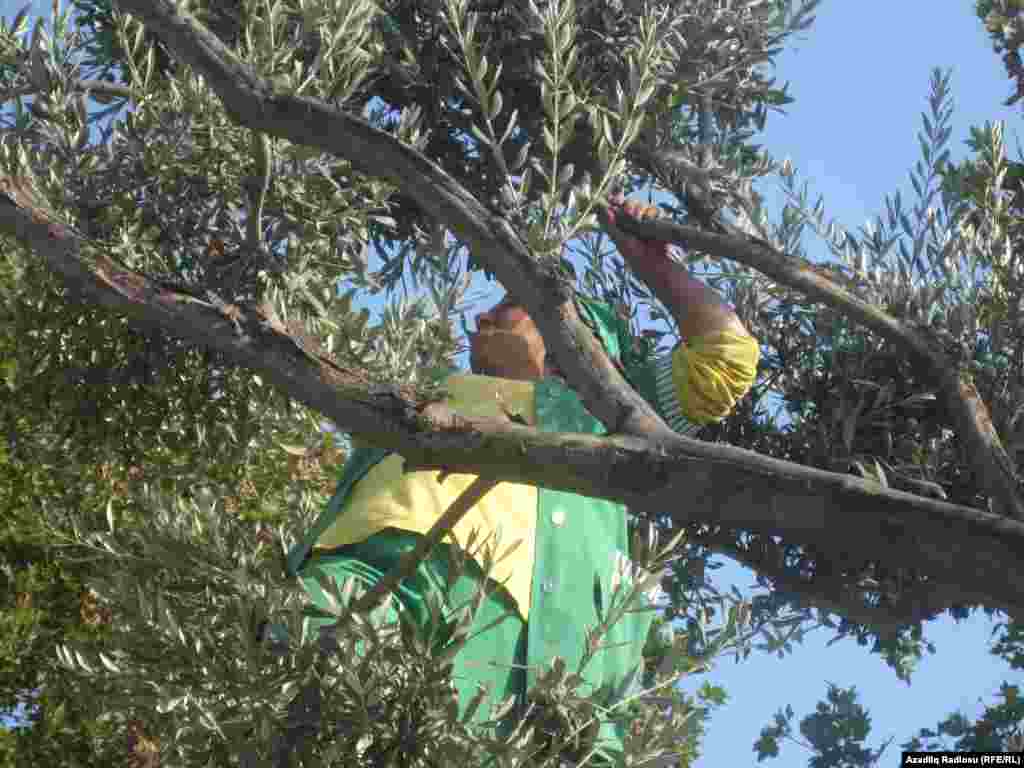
(572, 550)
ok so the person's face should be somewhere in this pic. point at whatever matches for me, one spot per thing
(507, 343)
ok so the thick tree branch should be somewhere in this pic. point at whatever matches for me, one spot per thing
(655, 160)
(920, 602)
(246, 336)
(720, 484)
(970, 416)
(98, 88)
(252, 102)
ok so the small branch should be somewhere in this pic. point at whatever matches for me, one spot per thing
(919, 603)
(691, 480)
(650, 469)
(104, 88)
(673, 160)
(970, 416)
(93, 87)
(410, 561)
(253, 102)
(257, 186)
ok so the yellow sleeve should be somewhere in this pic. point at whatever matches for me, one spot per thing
(711, 373)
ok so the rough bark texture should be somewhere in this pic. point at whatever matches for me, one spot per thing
(252, 101)
(720, 483)
(971, 417)
(644, 464)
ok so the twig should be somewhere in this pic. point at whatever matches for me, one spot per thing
(101, 90)
(410, 561)
(969, 414)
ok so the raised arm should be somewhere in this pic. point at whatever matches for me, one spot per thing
(702, 379)
(698, 309)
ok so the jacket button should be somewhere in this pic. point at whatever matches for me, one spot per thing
(558, 518)
(548, 585)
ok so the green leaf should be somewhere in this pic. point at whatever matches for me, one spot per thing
(549, 141)
(512, 122)
(20, 23)
(479, 135)
(565, 174)
(606, 127)
(566, 131)
(547, 97)
(644, 95)
(520, 158)
(524, 182)
(330, 595)
(570, 59)
(81, 660)
(58, 716)
(461, 85)
(496, 104)
(566, 34)
(672, 545)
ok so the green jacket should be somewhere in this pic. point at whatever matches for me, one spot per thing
(580, 541)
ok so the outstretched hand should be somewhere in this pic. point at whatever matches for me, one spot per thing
(697, 308)
(633, 248)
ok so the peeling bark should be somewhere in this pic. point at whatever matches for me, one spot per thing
(721, 484)
(252, 102)
(648, 467)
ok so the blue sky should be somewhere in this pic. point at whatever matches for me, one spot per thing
(860, 78)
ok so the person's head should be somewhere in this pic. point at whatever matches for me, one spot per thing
(507, 343)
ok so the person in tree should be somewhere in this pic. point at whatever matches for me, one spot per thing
(567, 544)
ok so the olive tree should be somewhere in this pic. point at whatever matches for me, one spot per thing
(186, 185)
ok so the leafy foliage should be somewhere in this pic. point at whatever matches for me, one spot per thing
(136, 468)
(144, 476)
(1002, 20)
(988, 188)
(835, 733)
